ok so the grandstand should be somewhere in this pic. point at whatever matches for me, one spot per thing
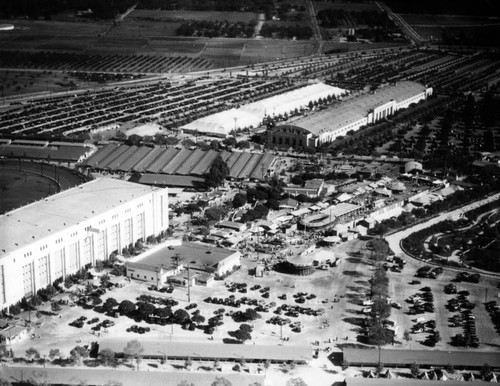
(44, 150)
(181, 162)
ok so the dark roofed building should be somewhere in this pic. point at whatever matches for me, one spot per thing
(426, 358)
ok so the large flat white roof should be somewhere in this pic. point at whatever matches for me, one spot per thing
(252, 114)
(33, 222)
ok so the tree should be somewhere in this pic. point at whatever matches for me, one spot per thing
(377, 334)
(32, 353)
(243, 145)
(104, 280)
(188, 363)
(54, 353)
(180, 316)
(185, 383)
(267, 364)
(221, 381)
(246, 327)
(5, 382)
(217, 173)
(113, 383)
(163, 312)
(198, 319)
(133, 350)
(107, 357)
(485, 371)
(239, 200)
(145, 309)
(4, 352)
(415, 369)
(379, 368)
(78, 354)
(126, 307)
(379, 250)
(39, 378)
(296, 382)
(407, 336)
(242, 335)
(214, 213)
(188, 142)
(55, 307)
(229, 142)
(109, 304)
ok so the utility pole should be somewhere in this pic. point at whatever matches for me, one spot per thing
(189, 285)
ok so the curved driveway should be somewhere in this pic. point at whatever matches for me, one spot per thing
(395, 238)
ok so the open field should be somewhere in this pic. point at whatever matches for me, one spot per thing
(23, 82)
(346, 6)
(169, 16)
(464, 29)
(20, 187)
(416, 20)
(24, 27)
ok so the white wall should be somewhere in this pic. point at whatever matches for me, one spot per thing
(32, 267)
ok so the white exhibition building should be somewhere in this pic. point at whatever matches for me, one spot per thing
(60, 234)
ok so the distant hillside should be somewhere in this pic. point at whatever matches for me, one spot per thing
(447, 7)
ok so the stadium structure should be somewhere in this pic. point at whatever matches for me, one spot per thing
(252, 115)
(60, 234)
(349, 115)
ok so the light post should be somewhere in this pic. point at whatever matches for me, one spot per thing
(189, 280)
(164, 358)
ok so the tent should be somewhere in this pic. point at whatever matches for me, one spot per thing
(424, 375)
(331, 239)
(389, 374)
(470, 377)
(492, 378)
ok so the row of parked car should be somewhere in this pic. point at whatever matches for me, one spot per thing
(422, 301)
(464, 318)
(494, 310)
(429, 272)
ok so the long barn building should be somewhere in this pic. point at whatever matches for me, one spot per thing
(60, 234)
(350, 115)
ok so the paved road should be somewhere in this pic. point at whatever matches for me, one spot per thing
(401, 23)
(315, 26)
(395, 238)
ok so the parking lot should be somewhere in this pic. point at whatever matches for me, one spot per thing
(330, 314)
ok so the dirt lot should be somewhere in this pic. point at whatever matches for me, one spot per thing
(346, 6)
(20, 188)
(345, 287)
(348, 283)
(164, 16)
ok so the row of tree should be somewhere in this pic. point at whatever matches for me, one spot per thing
(377, 331)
